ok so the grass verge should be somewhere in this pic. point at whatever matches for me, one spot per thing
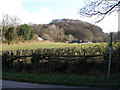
(64, 79)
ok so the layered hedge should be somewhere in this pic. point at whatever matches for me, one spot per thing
(84, 60)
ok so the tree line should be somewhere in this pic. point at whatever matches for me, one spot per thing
(13, 31)
(63, 31)
(22, 32)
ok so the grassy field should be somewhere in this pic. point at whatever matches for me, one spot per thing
(37, 45)
(64, 79)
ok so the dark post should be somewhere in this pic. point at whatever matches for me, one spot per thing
(110, 55)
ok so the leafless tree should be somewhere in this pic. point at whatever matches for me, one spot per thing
(10, 20)
(100, 8)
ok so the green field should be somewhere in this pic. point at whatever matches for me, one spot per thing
(37, 45)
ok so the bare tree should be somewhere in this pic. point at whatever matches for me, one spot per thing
(100, 8)
(10, 20)
(7, 22)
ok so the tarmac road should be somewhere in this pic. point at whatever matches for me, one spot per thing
(13, 84)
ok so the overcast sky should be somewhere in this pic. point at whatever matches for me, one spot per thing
(44, 11)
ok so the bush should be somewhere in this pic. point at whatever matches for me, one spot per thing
(11, 34)
(25, 31)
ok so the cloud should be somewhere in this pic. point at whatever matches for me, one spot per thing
(12, 7)
(110, 23)
(42, 16)
(49, 1)
(15, 8)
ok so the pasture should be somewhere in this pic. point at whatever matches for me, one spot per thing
(48, 45)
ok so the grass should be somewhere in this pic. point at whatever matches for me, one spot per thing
(37, 45)
(34, 46)
(64, 79)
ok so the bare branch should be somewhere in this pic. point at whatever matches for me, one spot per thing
(100, 8)
(10, 20)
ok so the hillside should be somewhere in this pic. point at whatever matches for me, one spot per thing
(68, 29)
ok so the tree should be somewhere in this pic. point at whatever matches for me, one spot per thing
(11, 34)
(25, 31)
(100, 8)
(47, 37)
(10, 20)
(116, 36)
(7, 22)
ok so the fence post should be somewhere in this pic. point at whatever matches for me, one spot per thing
(110, 55)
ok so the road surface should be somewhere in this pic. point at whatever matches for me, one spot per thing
(14, 84)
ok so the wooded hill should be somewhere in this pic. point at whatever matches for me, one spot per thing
(59, 30)
(62, 30)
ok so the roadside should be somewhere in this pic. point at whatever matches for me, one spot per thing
(64, 79)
